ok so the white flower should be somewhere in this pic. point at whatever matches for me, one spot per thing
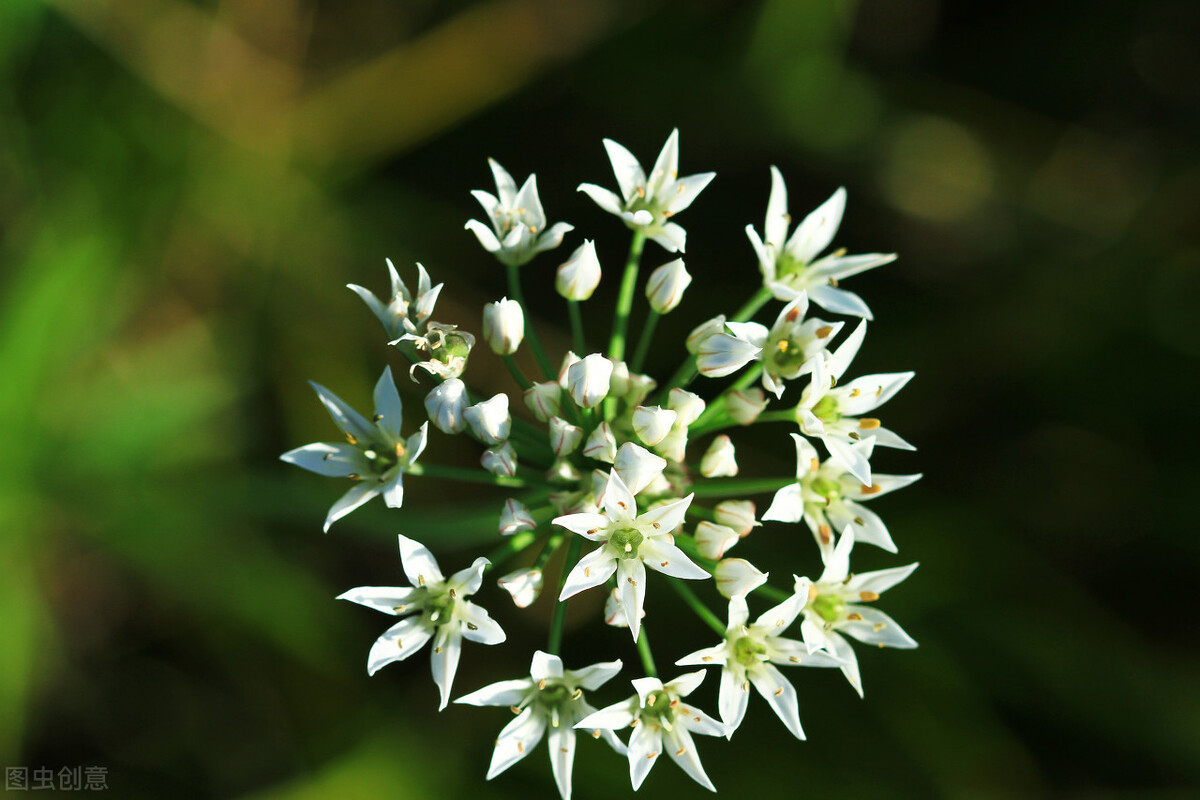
(588, 380)
(744, 405)
(665, 286)
(651, 424)
(737, 514)
(500, 460)
(404, 312)
(790, 346)
(503, 326)
(489, 420)
(444, 348)
(433, 607)
(789, 268)
(647, 203)
(564, 437)
(374, 456)
(719, 461)
(601, 444)
(828, 498)
(544, 400)
(637, 466)
(712, 540)
(550, 698)
(737, 576)
(523, 584)
(629, 543)
(515, 518)
(748, 655)
(834, 607)
(518, 221)
(579, 275)
(445, 404)
(660, 721)
(832, 413)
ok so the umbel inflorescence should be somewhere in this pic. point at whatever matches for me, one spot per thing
(627, 474)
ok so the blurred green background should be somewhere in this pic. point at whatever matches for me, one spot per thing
(186, 185)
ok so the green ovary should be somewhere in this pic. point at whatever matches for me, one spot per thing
(787, 355)
(747, 651)
(826, 487)
(830, 607)
(826, 409)
(626, 541)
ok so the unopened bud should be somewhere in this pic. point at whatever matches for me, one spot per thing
(737, 514)
(544, 400)
(588, 380)
(713, 540)
(515, 518)
(736, 577)
(503, 326)
(665, 287)
(744, 405)
(445, 405)
(490, 420)
(719, 461)
(601, 444)
(579, 275)
(652, 423)
(500, 460)
(564, 437)
(523, 584)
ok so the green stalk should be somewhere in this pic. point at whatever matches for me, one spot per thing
(554, 644)
(577, 327)
(643, 645)
(701, 610)
(643, 347)
(514, 289)
(724, 487)
(517, 374)
(616, 344)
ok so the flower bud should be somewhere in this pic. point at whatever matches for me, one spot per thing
(687, 406)
(503, 326)
(523, 584)
(703, 331)
(651, 424)
(674, 444)
(588, 380)
(618, 384)
(737, 577)
(737, 514)
(637, 466)
(664, 289)
(713, 540)
(719, 461)
(564, 437)
(579, 275)
(490, 420)
(601, 445)
(445, 405)
(640, 387)
(515, 518)
(745, 405)
(563, 472)
(720, 354)
(500, 460)
(544, 400)
(569, 360)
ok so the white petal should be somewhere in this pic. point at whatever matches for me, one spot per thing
(611, 718)
(776, 224)
(517, 739)
(879, 486)
(506, 187)
(345, 417)
(686, 683)
(596, 675)
(398, 643)
(467, 581)
(393, 489)
(329, 459)
(839, 267)
(360, 493)
(685, 191)
(591, 525)
(666, 517)
(839, 301)
(818, 229)
(666, 167)
(868, 392)
(868, 527)
(876, 628)
(733, 700)
(592, 570)
(485, 235)
(626, 168)
(781, 616)
(645, 745)
(780, 693)
(478, 626)
(879, 581)
(562, 758)
(672, 237)
(503, 693)
(416, 443)
(388, 408)
(661, 556)
(854, 457)
(837, 568)
(631, 587)
(682, 751)
(637, 466)
(388, 599)
(714, 656)
(603, 197)
(447, 646)
(618, 500)
(787, 505)
(419, 564)
(843, 650)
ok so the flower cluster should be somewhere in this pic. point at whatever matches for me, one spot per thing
(621, 474)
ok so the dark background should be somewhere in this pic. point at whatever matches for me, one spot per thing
(186, 186)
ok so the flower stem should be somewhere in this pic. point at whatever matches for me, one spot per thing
(687, 370)
(643, 645)
(514, 289)
(517, 374)
(720, 487)
(577, 327)
(701, 610)
(513, 545)
(468, 475)
(785, 415)
(643, 347)
(616, 344)
(560, 608)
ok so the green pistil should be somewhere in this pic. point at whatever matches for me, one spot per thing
(658, 706)
(786, 355)
(788, 266)
(830, 607)
(382, 459)
(626, 541)
(440, 607)
(827, 488)
(747, 651)
(454, 345)
(826, 409)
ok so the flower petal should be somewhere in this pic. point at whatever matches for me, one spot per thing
(478, 626)
(662, 556)
(419, 564)
(360, 493)
(645, 745)
(562, 758)
(817, 230)
(631, 586)
(879, 581)
(516, 740)
(626, 168)
(733, 700)
(682, 751)
(388, 599)
(602, 197)
(665, 518)
(779, 692)
(590, 525)
(328, 459)
(876, 628)
(594, 676)
(350, 421)
(398, 643)
(447, 646)
(502, 693)
(592, 570)
(389, 411)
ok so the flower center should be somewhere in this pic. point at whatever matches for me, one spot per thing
(788, 266)
(826, 409)
(747, 650)
(626, 541)
(658, 707)
(382, 458)
(440, 607)
(830, 607)
(787, 355)
(453, 345)
(826, 487)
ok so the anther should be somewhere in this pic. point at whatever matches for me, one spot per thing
(674, 702)
(879, 626)
(596, 734)
(632, 582)
(514, 709)
(350, 438)
(814, 464)
(653, 699)
(868, 423)
(824, 331)
(854, 436)
(421, 580)
(578, 693)
(681, 751)
(652, 755)
(621, 503)
(354, 476)
(792, 315)
(471, 626)
(542, 684)
(779, 691)
(833, 282)
(438, 649)
(452, 594)
(825, 533)
(794, 659)
(587, 572)
(326, 456)
(855, 392)
(520, 747)
(874, 488)
(399, 609)
(376, 418)
(855, 617)
(858, 521)
(665, 563)
(706, 658)
(868, 597)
